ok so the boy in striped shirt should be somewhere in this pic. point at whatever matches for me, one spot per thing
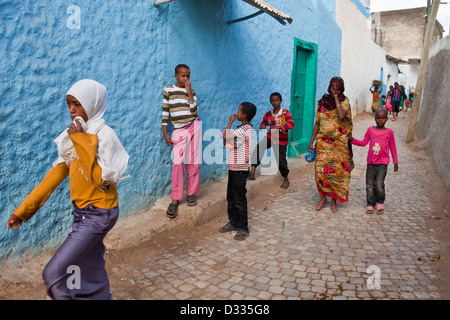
(279, 121)
(240, 143)
(180, 104)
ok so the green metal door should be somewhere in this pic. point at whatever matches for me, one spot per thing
(303, 92)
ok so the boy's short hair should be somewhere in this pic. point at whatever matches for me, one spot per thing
(276, 94)
(178, 67)
(249, 109)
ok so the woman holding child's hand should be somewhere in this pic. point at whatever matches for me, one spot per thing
(333, 156)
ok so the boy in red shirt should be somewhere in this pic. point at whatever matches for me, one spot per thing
(279, 121)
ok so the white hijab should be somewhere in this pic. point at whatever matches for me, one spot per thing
(111, 156)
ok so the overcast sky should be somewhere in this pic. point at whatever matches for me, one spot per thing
(386, 5)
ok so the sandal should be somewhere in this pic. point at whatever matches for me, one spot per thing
(285, 185)
(241, 235)
(191, 201)
(227, 228)
(320, 206)
(172, 210)
(369, 210)
(380, 208)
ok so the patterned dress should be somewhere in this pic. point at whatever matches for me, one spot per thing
(332, 166)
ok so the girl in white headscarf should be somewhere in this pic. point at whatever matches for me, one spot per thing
(90, 153)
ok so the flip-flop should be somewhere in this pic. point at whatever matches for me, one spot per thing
(369, 210)
(285, 185)
(172, 210)
(191, 201)
(227, 228)
(319, 207)
(380, 208)
(241, 235)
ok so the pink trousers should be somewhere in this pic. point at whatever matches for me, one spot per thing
(187, 148)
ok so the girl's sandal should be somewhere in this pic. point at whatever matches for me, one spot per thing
(369, 210)
(321, 204)
(172, 210)
(380, 208)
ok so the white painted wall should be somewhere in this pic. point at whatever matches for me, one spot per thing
(362, 59)
(411, 73)
(390, 72)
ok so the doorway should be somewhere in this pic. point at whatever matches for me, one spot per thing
(303, 93)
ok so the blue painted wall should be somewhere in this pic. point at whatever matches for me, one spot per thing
(132, 48)
(362, 8)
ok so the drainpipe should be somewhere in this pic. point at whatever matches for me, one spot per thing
(159, 2)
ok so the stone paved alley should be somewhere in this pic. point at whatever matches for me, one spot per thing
(294, 252)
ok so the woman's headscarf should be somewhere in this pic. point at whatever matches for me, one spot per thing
(328, 99)
(111, 156)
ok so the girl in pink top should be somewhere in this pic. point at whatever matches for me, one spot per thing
(381, 142)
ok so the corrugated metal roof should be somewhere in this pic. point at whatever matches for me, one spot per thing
(267, 8)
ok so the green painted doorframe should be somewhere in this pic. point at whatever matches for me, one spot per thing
(303, 94)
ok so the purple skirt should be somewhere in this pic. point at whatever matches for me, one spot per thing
(77, 270)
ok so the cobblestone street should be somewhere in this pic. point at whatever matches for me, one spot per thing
(294, 252)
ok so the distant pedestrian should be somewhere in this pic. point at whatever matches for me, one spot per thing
(180, 104)
(94, 159)
(239, 141)
(396, 98)
(403, 98)
(333, 155)
(407, 102)
(376, 85)
(411, 99)
(388, 105)
(381, 142)
(279, 121)
(383, 100)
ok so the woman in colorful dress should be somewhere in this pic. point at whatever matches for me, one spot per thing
(333, 156)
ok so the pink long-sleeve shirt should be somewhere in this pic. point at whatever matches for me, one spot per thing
(381, 141)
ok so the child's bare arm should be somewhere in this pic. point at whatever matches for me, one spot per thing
(167, 137)
(395, 167)
(187, 84)
(226, 134)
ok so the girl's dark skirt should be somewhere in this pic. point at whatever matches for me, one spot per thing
(77, 270)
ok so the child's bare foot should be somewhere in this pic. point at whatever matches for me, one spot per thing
(334, 207)
(321, 203)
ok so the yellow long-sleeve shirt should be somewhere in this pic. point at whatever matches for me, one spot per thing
(86, 184)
